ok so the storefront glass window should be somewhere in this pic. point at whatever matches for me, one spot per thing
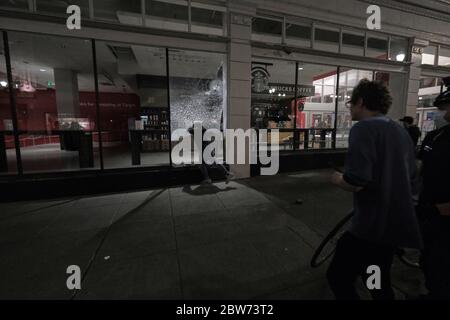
(17, 4)
(124, 12)
(55, 102)
(353, 43)
(60, 7)
(428, 55)
(428, 82)
(165, 15)
(273, 93)
(8, 163)
(395, 82)
(399, 49)
(377, 47)
(167, 10)
(266, 30)
(207, 21)
(197, 93)
(206, 16)
(133, 105)
(319, 106)
(426, 100)
(299, 35)
(444, 56)
(348, 79)
(326, 39)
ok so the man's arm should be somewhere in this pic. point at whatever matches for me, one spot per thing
(360, 158)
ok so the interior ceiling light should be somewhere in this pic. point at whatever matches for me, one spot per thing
(3, 84)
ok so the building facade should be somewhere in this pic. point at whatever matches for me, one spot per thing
(120, 91)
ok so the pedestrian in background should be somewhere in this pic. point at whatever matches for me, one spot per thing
(413, 130)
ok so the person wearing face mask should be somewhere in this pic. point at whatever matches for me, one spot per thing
(434, 203)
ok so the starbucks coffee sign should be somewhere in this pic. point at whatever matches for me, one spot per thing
(302, 90)
(261, 84)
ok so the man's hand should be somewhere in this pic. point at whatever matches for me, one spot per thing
(337, 179)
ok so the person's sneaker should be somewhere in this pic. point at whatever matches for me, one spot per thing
(229, 177)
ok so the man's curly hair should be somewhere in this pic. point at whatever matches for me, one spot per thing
(374, 94)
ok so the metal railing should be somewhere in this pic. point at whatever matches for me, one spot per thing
(301, 139)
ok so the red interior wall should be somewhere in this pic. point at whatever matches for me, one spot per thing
(115, 110)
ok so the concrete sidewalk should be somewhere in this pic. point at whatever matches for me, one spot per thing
(245, 240)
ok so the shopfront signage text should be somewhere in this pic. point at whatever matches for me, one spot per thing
(302, 90)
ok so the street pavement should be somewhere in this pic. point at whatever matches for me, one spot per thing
(248, 239)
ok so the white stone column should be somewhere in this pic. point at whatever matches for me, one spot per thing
(239, 107)
(414, 77)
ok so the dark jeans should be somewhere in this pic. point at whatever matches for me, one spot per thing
(436, 256)
(351, 259)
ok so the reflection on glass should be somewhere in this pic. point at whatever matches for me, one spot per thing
(54, 88)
